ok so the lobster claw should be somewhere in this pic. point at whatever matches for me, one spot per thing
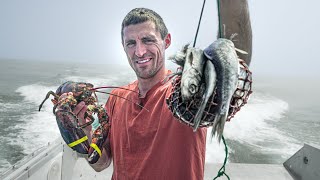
(74, 101)
(96, 146)
(71, 133)
(99, 136)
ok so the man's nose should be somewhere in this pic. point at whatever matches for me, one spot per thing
(140, 49)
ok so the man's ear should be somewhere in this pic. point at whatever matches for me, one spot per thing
(167, 40)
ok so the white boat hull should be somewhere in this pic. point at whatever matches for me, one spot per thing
(57, 161)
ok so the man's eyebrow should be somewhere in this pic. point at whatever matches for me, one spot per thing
(130, 41)
(149, 37)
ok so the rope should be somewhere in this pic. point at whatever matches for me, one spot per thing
(195, 38)
(223, 168)
(219, 19)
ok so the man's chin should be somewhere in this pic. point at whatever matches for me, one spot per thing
(146, 75)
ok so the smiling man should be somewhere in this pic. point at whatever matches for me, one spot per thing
(145, 48)
(149, 142)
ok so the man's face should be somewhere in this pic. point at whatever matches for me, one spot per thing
(145, 48)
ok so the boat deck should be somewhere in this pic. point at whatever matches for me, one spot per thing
(58, 162)
(234, 170)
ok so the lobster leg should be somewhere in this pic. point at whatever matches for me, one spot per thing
(47, 97)
(54, 109)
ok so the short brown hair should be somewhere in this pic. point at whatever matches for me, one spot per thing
(141, 15)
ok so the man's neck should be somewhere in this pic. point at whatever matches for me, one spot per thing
(145, 85)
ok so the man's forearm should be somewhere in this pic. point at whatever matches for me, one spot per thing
(105, 159)
(235, 18)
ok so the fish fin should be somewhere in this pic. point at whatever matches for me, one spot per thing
(232, 37)
(180, 56)
(213, 132)
(240, 51)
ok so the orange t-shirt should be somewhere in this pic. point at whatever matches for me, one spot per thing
(152, 145)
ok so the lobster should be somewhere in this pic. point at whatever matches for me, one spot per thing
(66, 98)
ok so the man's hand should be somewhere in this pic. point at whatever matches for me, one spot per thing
(80, 111)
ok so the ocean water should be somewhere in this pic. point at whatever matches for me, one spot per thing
(282, 114)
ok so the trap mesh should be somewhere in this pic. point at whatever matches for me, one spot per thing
(186, 111)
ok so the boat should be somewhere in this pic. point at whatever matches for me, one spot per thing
(56, 161)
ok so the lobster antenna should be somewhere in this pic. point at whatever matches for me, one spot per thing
(105, 87)
(95, 95)
(123, 98)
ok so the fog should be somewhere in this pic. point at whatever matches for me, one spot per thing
(285, 32)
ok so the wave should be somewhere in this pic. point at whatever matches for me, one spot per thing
(4, 165)
(97, 81)
(7, 106)
(40, 128)
(34, 93)
(253, 126)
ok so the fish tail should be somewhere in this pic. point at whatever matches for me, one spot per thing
(218, 126)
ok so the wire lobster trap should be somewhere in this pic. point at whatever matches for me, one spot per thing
(185, 111)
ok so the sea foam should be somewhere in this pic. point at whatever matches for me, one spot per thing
(253, 126)
(40, 128)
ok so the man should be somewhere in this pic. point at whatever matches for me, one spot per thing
(149, 143)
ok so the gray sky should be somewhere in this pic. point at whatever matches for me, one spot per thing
(285, 32)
